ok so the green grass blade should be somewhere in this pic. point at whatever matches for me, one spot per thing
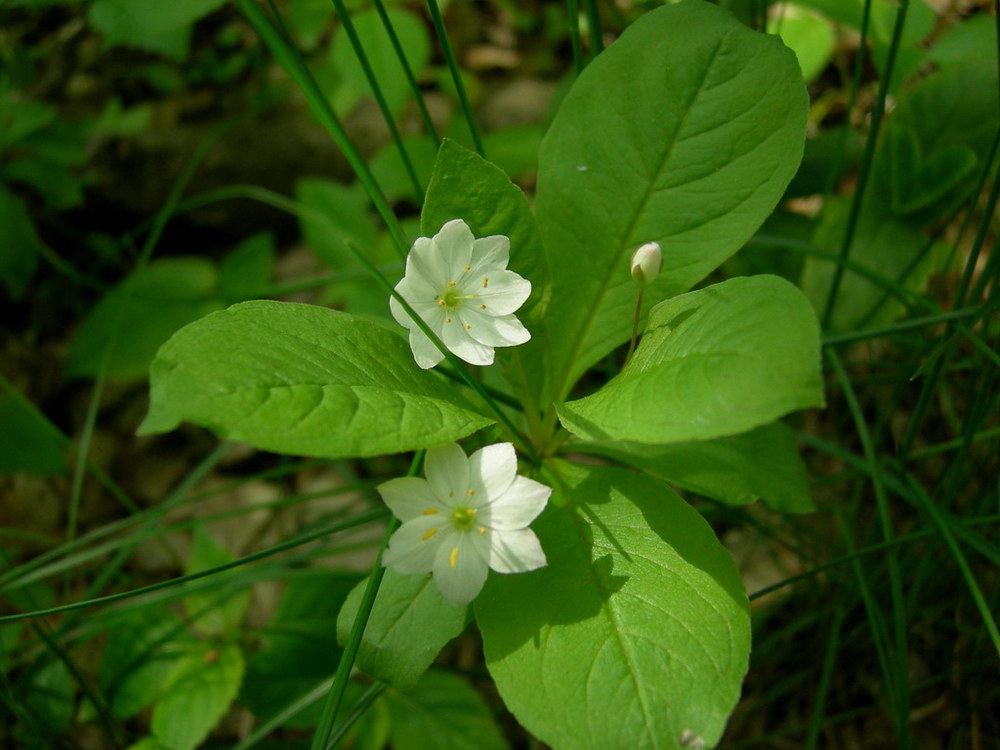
(957, 555)
(390, 121)
(292, 62)
(901, 661)
(456, 75)
(866, 161)
(411, 80)
(573, 17)
(324, 732)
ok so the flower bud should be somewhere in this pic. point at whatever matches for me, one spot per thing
(646, 262)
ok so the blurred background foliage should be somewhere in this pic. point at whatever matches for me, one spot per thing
(156, 164)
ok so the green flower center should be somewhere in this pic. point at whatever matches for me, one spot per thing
(463, 517)
(452, 298)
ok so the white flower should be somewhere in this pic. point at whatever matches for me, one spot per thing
(462, 289)
(468, 515)
(646, 262)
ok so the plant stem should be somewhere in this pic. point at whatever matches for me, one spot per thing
(324, 730)
(635, 327)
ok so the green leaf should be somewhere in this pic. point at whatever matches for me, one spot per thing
(466, 186)
(636, 633)
(444, 713)
(715, 362)
(969, 40)
(139, 314)
(157, 27)
(246, 269)
(413, 37)
(50, 695)
(143, 652)
(809, 37)
(220, 611)
(298, 647)
(884, 246)
(20, 244)
(303, 380)
(389, 171)
(762, 464)
(409, 625)
(936, 125)
(685, 131)
(918, 183)
(26, 444)
(203, 686)
(346, 210)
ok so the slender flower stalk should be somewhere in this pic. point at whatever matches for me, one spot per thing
(645, 267)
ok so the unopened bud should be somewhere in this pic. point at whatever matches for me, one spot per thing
(646, 262)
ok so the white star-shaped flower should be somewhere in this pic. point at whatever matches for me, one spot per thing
(470, 514)
(462, 289)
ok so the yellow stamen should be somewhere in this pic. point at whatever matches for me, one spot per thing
(451, 494)
(486, 281)
(453, 560)
(430, 512)
(482, 530)
(482, 307)
(452, 283)
(429, 533)
(468, 268)
(468, 327)
(472, 492)
(441, 302)
(447, 320)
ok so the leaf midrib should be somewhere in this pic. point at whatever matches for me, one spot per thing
(588, 320)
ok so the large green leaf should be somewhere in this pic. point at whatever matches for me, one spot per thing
(444, 713)
(636, 634)
(409, 625)
(716, 362)
(762, 464)
(139, 314)
(685, 131)
(303, 380)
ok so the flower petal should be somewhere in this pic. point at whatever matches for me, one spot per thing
(447, 469)
(504, 292)
(423, 305)
(515, 551)
(493, 469)
(454, 248)
(501, 330)
(413, 547)
(424, 352)
(490, 253)
(457, 339)
(408, 497)
(460, 567)
(422, 262)
(519, 505)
